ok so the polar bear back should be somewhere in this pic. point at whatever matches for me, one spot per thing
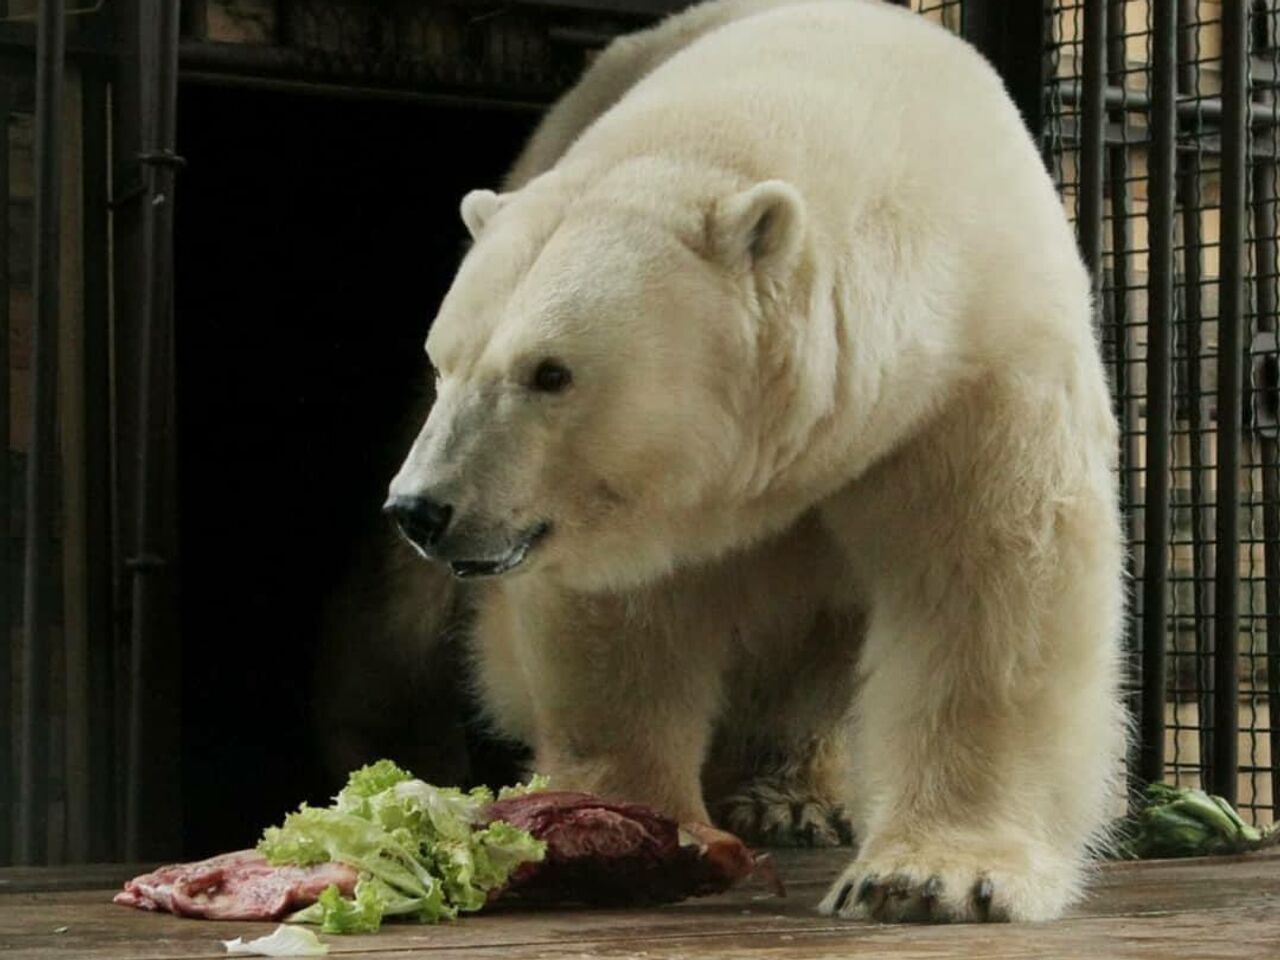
(870, 111)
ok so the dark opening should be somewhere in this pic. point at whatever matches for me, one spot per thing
(315, 238)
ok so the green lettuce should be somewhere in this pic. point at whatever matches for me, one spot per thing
(422, 851)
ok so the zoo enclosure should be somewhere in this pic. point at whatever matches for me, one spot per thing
(1158, 120)
(1161, 130)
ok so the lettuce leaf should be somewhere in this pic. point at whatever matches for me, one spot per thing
(537, 783)
(364, 912)
(422, 851)
(284, 941)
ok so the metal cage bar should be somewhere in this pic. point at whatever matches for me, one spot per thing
(1155, 591)
(1093, 137)
(1265, 210)
(7, 781)
(1235, 131)
(38, 586)
(1198, 413)
(97, 466)
(150, 812)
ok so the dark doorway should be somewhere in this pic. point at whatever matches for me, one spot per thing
(315, 238)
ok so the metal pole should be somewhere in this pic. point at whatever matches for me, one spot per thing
(1264, 213)
(1206, 108)
(1266, 200)
(7, 784)
(1160, 325)
(42, 457)
(128, 254)
(104, 837)
(1093, 139)
(1198, 408)
(1121, 244)
(1235, 130)
(1122, 340)
(152, 797)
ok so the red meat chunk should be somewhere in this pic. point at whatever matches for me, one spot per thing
(234, 886)
(604, 852)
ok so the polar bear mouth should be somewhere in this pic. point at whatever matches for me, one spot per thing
(470, 569)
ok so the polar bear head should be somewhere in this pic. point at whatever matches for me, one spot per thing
(609, 377)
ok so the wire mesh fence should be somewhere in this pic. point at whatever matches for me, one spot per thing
(1199, 439)
(946, 12)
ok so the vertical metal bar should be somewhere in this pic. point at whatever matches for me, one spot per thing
(42, 458)
(97, 455)
(152, 798)
(74, 677)
(1160, 326)
(1093, 137)
(1117, 169)
(1198, 409)
(128, 254)
(7, 779)
(1121, 315)
(1121, 242)
(1264, 194)
(1235, 130)
(1267, 223)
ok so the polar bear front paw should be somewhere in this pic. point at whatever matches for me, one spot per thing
(767, 813)
(917, 888)
(898, 898)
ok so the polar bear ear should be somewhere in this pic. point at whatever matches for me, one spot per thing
(478, 207)
(764, 224)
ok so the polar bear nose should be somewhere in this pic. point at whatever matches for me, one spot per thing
(422, 520)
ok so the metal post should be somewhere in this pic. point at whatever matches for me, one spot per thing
(38, 569)
(1093, 139)
(153, 788)
(1235, 131)
(1160, 325)
(1198, 408)
(1122, 340)
(1266, 201)
(1121, 244)
(103, 840)
(126, 296)
(1265, 222)
(7, 784)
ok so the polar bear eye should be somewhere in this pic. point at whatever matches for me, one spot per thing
(551, 377)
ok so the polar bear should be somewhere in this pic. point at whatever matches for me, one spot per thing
(770, 417)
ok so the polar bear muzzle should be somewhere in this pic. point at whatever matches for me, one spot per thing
(427, 526)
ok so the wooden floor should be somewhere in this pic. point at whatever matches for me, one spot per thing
(1188, 910)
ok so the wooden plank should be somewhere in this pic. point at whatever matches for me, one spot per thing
(94, 876)
(1203, 909)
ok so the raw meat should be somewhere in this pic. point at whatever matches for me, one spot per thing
(598, 852)
(603, 852)
(234, 886)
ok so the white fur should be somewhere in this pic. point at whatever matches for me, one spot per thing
(836, 401)
(477, 209)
